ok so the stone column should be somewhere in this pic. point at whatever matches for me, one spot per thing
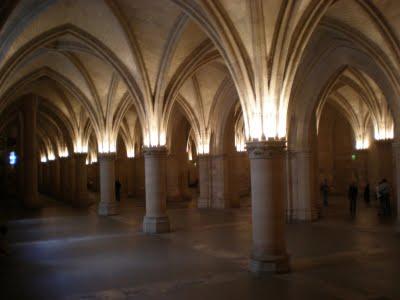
(63, 179)
(46, 184)
(20, 154)
(40, 177)
(236, 178)
(396, 181)
(304, 208)
(173, 191)
(55, 178)
(139, 179)
(361, 163)
(131, 177)
(108, 205)
(186, 193)
(156, 219)
(81, 193)
(71, 180)
(31, 196)
(220, 196)
(268, 212)
(204, 181)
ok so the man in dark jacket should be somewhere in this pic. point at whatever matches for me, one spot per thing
(353, 192)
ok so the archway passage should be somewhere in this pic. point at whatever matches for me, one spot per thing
(164, 148)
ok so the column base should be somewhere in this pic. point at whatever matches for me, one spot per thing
(108, 209)
(276, 264)
(153, 225)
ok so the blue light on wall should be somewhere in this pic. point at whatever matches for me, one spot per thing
(13, 158)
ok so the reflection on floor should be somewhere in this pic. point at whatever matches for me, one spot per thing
(62, 253)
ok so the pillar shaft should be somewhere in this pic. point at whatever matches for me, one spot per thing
(55, 178)
(204, 181)
(304, 207)
(396, 181)
(107, 206)
(220, 196)
(268, 219)
(63, 179)
(31, 197)
(71, 180)
(156, 219)
(131, 177)
(361, 164)
(81, 193)
(173, 187)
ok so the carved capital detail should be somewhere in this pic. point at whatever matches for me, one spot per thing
(80, 156)
(159, 151)
(266, 149)
(107, 156)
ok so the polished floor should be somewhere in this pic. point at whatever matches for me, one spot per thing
(62, 253)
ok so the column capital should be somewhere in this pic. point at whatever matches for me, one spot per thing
(266, 149)
(384, 142)
(155, 151)
(80, 155)
(203, 156)
(360, 151)
(107, 156)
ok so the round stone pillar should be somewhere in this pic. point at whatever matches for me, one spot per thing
(396, 181)
(55, 178)
(361, 164)
(30, 195)
(305, 206)
(204, 181)
(131, 177)
(71, 180)
(107, 206)
(268, 211)
(173, 188)
(156, 219)
(81, 193)
(64, 178)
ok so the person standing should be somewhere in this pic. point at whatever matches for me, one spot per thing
(117, 190)
(325, 191)
(384, 193)
(353, 192)
(367, 194)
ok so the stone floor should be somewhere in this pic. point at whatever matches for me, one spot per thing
(62, 253)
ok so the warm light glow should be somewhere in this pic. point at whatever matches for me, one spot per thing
(130, 152)
(91, 158)
(63, 152)
(51, 156)
(80, 146)
(362, 143)
(256, 127)
(240, 147)
(384, 134)
(204, 144)
(43, 159)
(107, 147)
(190, 155)
(270, 118)
(204, 148)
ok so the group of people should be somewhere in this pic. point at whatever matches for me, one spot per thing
(382, 195)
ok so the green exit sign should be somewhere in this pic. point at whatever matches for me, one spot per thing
(353, 157)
